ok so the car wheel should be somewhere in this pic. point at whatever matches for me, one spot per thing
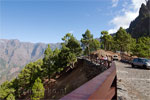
(144, 66)
(148, 68)
(133, 65)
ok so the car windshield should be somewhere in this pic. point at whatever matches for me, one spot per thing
(146, 60)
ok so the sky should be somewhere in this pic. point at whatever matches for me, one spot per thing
(47, 21)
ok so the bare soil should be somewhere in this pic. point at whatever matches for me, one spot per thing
(66, 83)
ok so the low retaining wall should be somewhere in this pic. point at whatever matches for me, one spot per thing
(102, 87)
(91, 69)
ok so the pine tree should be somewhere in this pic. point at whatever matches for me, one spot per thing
(48, 69)
(104, 38)
(87, 38)
(70, 50)
(123, 39)
(37, 90)
(5, 90)
(15, 85)
(74, 45)
(142, 48)
(94, 45)
(10, 97)
(56, 60)
(28, 75)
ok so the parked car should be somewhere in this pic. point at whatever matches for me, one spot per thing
(141, 62)
(115, 57)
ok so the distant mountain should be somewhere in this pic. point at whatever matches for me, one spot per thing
(141, 25)
(14, 55)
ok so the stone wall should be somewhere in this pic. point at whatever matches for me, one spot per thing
(91, 69)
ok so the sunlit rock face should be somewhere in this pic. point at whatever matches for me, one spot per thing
(141, 25)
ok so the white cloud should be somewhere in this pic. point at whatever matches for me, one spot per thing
(115, 3)
(129, 13)
(71, 31)
(137, 3)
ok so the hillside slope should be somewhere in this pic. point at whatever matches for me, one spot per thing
(14, 55)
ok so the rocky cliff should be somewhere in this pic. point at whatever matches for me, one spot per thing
(141, 25)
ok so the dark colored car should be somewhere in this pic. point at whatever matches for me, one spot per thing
(141, 62)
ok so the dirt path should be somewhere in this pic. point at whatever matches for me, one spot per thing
(133, 83)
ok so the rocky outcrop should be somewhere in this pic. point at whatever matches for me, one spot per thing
(141, 25)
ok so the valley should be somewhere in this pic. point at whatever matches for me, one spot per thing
(14, 55)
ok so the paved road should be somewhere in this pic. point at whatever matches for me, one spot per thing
(133, 83)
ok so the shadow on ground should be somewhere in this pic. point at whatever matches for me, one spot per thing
(139, 68)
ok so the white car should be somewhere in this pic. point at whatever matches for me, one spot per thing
(115, 57)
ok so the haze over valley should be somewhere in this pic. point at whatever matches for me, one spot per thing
(14, 55)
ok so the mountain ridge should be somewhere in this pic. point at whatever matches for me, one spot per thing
(141, 25)
(14, 55)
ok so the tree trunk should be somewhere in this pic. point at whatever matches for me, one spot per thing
(105, 46)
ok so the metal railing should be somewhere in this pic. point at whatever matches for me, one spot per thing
(101, 87)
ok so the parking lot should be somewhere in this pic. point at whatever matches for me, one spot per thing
(132, 83)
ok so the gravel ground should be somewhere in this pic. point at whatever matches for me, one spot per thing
(132, 83)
